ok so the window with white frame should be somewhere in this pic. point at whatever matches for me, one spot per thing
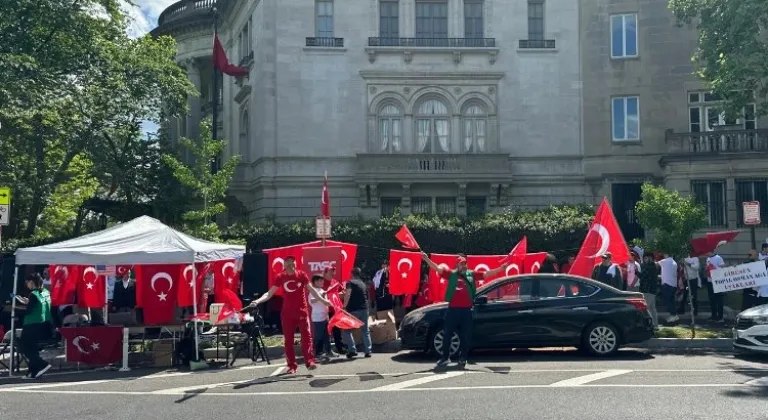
(390, 128)
(711, 194)
(473, 19)
(432, 127)
(475, 122)
(324, 19)
(535, 20)
(705, 114)
(624, 35)
(625, 111)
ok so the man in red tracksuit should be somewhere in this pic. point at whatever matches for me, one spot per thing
(295, 313)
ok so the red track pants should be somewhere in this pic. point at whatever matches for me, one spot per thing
(291, 320)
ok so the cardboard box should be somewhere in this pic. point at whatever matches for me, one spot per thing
(383, 332)
(214, 312)
(388, 316)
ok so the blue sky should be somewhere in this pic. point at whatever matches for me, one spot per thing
(143, 18)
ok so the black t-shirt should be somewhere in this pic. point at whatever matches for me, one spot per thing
(358, 295)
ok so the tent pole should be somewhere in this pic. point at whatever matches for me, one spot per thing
(106, 300)
(126, 349)
(13, 320)
(194, 313)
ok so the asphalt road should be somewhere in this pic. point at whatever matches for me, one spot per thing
(525, 385)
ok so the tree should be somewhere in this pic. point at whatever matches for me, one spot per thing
(732, 49)
(73, 84)
(208, 188)
(670, 218)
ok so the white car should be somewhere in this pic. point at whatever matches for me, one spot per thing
(751, 331)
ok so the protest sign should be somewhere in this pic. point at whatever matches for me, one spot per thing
(739, 277)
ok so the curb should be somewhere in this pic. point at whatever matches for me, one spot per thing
(721, 344)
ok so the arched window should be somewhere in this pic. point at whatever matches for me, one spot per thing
(390, 129)
(432, 127)
(475, 134)
(245, 125)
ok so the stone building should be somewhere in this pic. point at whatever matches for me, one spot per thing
(464, 107)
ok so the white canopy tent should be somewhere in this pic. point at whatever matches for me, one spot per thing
(142, 241)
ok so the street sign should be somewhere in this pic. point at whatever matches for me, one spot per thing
(5, 196)
(323, 227)
(5, 214)
(751, 213)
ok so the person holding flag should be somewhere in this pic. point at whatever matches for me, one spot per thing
(460, 295)
(295, 312)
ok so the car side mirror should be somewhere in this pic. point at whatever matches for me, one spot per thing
(481, 300)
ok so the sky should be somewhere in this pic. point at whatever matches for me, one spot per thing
(143, 16)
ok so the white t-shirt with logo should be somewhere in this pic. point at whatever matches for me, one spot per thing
(668, 271)
(319, 310)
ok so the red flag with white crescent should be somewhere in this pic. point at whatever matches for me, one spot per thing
(91, 288)
(603, 236)
(533, 262)
(485, 263)
(437, 283)
(325, 199)
(225, 277)
(276, 263)
(521, 248)
(158, 292)
(98, 346)
(348, 255)
(406, 238)
(404, 272)
(343, 320)
(63, 283)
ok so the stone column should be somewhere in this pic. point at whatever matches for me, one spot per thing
(455, 18)
(409, 139)
(194, 114)
(731, 206)
(462, 200)
(456, 134)
(405, 206)
(407, 18)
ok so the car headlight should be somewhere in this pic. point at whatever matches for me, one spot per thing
(760, 320)
(413, 318)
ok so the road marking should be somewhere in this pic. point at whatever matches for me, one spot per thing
(418, 381)
(360, 391)
(278, 371)
(581, 380)
(204, 387)
(60, 384)
(758, 382)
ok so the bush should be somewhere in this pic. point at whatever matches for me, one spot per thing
(557, 229)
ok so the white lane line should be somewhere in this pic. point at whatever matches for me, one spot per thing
(363, 391)
(278, 371)
(758, 382)
(581, 380)
(204, 387)
(60, 384)
(418, 381)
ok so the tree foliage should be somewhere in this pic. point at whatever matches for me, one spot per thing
(74, 91)
(206, 187)
(732, 48)
(670, 219)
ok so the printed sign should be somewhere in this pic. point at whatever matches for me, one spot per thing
(751, 212)
(739, 277)
(317, 259)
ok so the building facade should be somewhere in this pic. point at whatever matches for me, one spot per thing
(464, 106)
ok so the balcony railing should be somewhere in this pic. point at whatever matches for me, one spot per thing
(325, 42)
(433, 42)
(185, 8)
(714, 142)
(434, 164)
(536, 44)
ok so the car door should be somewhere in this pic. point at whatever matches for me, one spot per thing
(505, 319)
(565, 309)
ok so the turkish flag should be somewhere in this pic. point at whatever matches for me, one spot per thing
(98, 346)
(484, 263)
(158, 292)
(343, 320)
(91, 288)
(604, 236)
(221, 62)
(191, 278)
(533, 262)
(225, 277)
(63, 283)
(708, 243)
(519, 250)
(404, 272)
(438, 284)
(348, 255)
(406, 238)
(325, 199)
(276, 262)
(122, 270)
(333, 293)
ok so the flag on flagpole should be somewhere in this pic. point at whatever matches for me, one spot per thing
(221, 62)
(325, 199)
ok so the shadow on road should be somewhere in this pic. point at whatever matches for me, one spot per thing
(527, 355)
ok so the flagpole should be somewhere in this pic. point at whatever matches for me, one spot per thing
(215, 94)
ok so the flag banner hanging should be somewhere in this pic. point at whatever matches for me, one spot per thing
(91, 288)
(63, 283)
(158, 292)
(603, 236)
(406, 238)
(404, 272)
(98, 346)
(225, 277)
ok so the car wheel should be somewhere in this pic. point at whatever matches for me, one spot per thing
(437, 341)
(600, 339)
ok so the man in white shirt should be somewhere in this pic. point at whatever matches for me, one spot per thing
(669, 286)
(694, 281)
(714, 261)
(763, 255)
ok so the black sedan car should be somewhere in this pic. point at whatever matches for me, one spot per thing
(539, 310)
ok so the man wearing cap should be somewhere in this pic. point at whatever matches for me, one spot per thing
(608, 272)
(295, 312)
(460, 295)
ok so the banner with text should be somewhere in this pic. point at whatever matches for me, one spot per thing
(739, 277)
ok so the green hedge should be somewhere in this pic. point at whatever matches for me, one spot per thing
(558, 229)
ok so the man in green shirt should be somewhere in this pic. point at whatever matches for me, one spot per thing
(37, 325)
